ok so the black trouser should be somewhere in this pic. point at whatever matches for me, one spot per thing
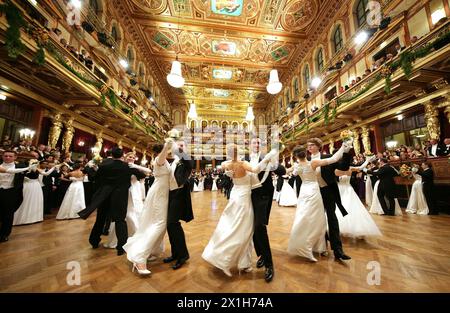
(9, 199)
(329, 203)
(428, 193)
(117, 213)
(177, 240)
(46, 190)
(88, 192)
(381, 196)
(261, 206)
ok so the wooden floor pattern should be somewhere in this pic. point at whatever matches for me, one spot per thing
(414, 256)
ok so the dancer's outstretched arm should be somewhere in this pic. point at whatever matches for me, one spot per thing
(336, 157)
(14, 170)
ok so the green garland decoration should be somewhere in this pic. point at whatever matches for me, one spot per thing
(14, 44)
(39, 58)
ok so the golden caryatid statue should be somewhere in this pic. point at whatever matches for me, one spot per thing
(432, 120)
(447, 107)
(331, 146)
(68, 135)
(356, 145)
(366, 139)
(55, 130)
(98, 145)
(119, 143)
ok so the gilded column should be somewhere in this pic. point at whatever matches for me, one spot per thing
(68, 135)
(331, 146)
(356, 144)
(119, 143)
(432, 120)
(366, 139)
(447, 107)
(55, 130)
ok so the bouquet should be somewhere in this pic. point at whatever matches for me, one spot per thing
(405, 170)
(346, 135)
(174, 134)
(369, 154)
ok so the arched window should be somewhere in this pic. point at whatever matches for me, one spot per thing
(286, 97)
(93, 4)
(361, 12)
(337, 39)
(319, 60)
(141, 71)
(295, 86)
(280, 104)
(130, 57)
(306, 76)
(115, 33)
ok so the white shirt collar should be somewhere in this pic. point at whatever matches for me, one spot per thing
(8, 165)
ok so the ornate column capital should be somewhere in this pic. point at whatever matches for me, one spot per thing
(356, 145)
(365, 134)
(68, 134)
(331, 145)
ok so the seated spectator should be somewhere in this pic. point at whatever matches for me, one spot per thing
(347, 87)
(414, 39)
(89, 63)
(398, 49)
(447, 146)
(73, 51)
(358, 79)
(341, 90)
(314, 109)
(56, 34)
(63, 42)
(435, 149)
(368, 72)
(82, 55)
(389, 57)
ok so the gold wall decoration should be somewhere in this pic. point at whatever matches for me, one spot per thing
(432, 120)
(331, 146)
(366, 139)
(356, 144)
(55, 130)
(68, 135)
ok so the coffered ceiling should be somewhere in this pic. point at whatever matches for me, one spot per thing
(227, 47)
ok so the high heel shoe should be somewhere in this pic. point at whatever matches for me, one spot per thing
(141, 272)
(227, 272)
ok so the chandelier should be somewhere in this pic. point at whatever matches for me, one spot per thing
(274, 86)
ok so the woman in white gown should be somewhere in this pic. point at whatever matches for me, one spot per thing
(310, 225)
(231, 243)
(214, 185)
(358, 223)
(288, 195)
(369, 189)
(201, 183)
(148, 238)
(74, 200)
(196, 183)
(134, 207)
(32, 208)
(417, 202)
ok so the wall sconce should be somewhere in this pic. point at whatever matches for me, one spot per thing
(81, 143)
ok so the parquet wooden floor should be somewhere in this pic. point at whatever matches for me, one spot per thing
(414, 256)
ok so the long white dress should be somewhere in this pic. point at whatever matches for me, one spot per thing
(310, 224)
(73, 201)
(417, 202)
(134, 211)
(196, 188)
(32, 208)
(201, 184)
(149, 236)
(376, 208)
(275, 192)
(358, 222)
(231, 243)
(214, 185)
(288, 195)
(369, 191)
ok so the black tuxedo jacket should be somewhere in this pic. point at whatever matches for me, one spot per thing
(262, 197)
(112, 177)
(427, 177)
(18, 185)
(180, 204)
(328, 175)
(386, 176)
(440, 150)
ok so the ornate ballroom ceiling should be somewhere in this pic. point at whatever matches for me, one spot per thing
(227, 47)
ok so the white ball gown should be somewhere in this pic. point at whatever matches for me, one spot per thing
(134, 211)
(73, 201)
(231, 243)
(288, 195)
(275, 192)
(417, 202)
(358, 222)
(149, 236)
(376, 208)
(214, 185)
(368, 191)
(196, 188)
(32, 208)
(310, 224)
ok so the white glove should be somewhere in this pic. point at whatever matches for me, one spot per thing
(348, 145)
(229, 173)
(72, 178)
(132, 165)
(414, 170)
(364, 169)
(33, 167)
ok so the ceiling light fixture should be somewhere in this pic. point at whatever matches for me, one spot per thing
(316, 82)
(274, 86)
(76, 3)
(175, 77)
(123, 63)
(250, 116)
